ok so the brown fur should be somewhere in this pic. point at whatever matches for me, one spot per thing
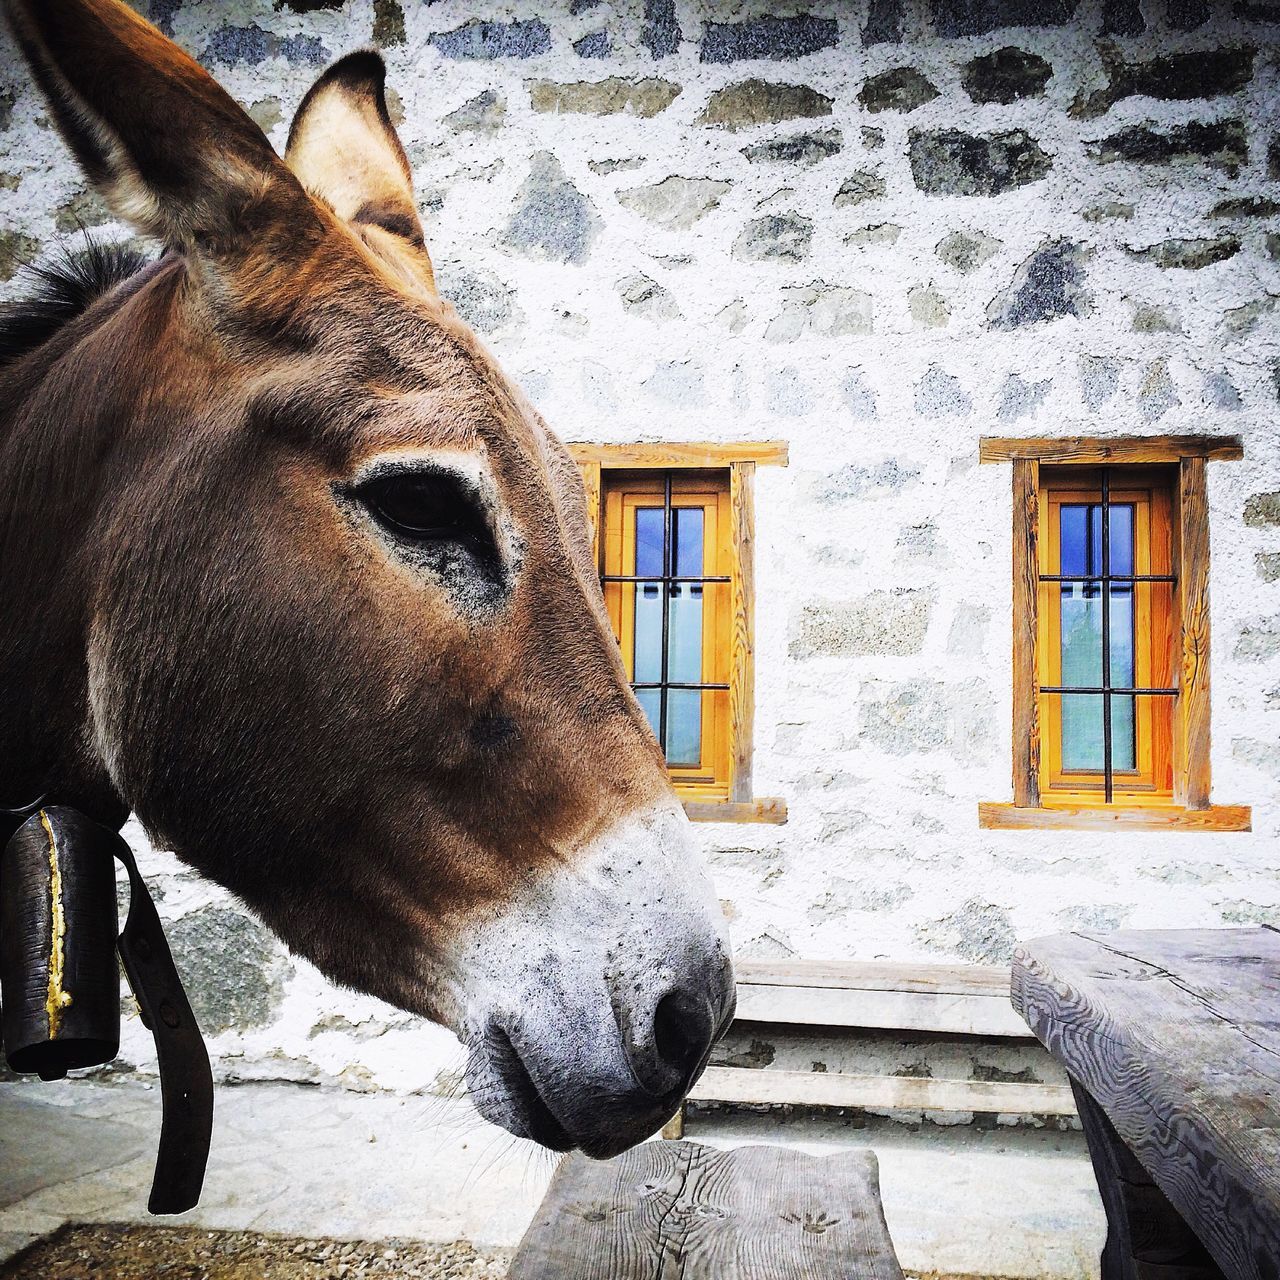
(196, 627)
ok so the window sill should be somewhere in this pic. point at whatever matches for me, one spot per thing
(1218, 817)
(770, 810)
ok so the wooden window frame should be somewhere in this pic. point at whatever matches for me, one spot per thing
(740, 460)
(1189, 807)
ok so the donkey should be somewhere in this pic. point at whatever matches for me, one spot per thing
(291, 570)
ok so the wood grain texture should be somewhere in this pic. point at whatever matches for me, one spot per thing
(1176, 1035)
(878, 975)
(742, 674)
(1026, 604)
(681, 1211)
(701, 454)
(1191, 716)
(1095, 450)
(882, 1093)
(590, 472)
(767, 809)
(993, 816)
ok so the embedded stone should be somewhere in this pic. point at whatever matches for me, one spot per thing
(872, 139)
(388, 23)
(1048, 285)
(1245, 207)
(1186, 15)
(595, 44)
(899, 89)
(979, 932)
(923, 715)
(616, 166)
(309, 6)
(7, 101)
(1273, 158)
(1156, 394)
(752, 102)
(1149, 318)
(1267, 564)
(266, 113)
(1262, 510)
(859, 187)
(779, 39)
(483, 41)
(948, 162)
(1107, 211)
(1189, 255)
(884, 23)
(252, 46)
(1122, 18)
(479, 297)
(787, 393)
(734, 318)
(84, 209)
(1241, 321)
(1099, 378)
(645, 296)
(1177, 77)
(940, 395)
(953, 18)
(482, 114)
(583, 6)
(676, 203)
(1221, 393)
(17, 249)
(1258, 10)
(1019, 399)
(803, 149)
(614, 96)
(880, 623)
(234, 969)
(1271, 242)
(775, 238)
(1258, 641)
(1221, 144)
(822, 310)
(162, 13)
(857, 397)
(856, 481)
(966, 251)
(928, 308)
(676, 382)
(1005, 76)
(877, 233)
(553, 220)
(967, 637)
(9, 181)
(660, 32)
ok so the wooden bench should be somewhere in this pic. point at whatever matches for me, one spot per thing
(955, 1000)
(680, 1209)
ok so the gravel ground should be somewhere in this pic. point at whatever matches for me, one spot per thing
(190, 1253)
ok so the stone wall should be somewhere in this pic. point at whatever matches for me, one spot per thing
(877, 231)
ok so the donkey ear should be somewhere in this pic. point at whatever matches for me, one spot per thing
(345, 151)
(168, 149)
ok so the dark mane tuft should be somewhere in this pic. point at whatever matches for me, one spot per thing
(63, 289)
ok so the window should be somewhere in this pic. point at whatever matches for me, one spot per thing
(674, 534)
(1111, 634)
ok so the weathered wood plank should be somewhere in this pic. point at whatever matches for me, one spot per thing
(1095, 450)
(681, 1211)
(886, 1093)
(935, 1012)
(1191, 714)
(1176, 1036)
(878, 975)
(1026, 610)
(699, 454)
(1219, 817)
(742, 677)
(765, 809)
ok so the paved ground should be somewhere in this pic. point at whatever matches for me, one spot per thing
(330, 1165)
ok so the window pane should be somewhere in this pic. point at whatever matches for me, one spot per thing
(684, 728)
(647, 659)
(1121, 537)
(684, 637)
(649, 557)
(687, 531)
(1080, 535)
(1081, 626)
(1082, 745)
(651, 704)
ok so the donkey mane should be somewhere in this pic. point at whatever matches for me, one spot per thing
(63, 290)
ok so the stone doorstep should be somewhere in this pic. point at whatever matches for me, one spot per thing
(320, 1163)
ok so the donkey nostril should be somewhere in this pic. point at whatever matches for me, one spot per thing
(681, 1033)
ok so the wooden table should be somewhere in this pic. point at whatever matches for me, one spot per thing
(1172, 1042)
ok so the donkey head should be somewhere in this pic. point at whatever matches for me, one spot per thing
(321, 605)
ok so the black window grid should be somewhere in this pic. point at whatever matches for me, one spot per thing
(666, 580)
(1106, 690)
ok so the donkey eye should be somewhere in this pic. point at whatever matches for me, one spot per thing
(425, 506)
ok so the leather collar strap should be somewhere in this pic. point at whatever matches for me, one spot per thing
(186, 1082)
